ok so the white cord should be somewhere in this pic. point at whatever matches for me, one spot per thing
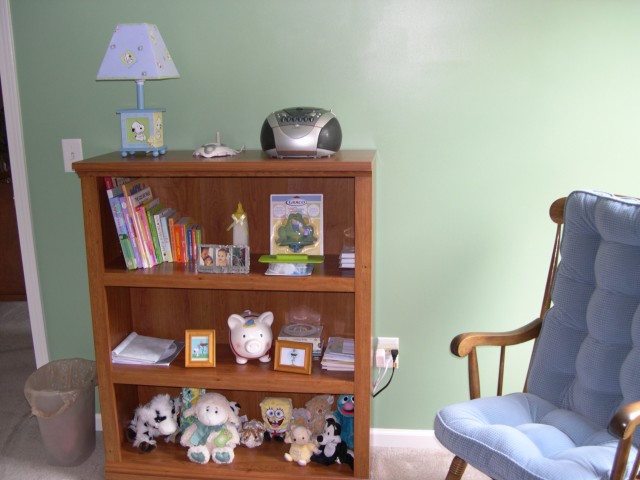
(381, 374)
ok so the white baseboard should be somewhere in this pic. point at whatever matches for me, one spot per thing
(379, 437)
(391, 437)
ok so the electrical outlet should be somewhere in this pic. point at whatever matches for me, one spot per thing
(383, 351)
(71, 152)
(389, 343)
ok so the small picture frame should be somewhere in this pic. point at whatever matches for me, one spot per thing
(200, 348)
(223, 258)
(294, 357)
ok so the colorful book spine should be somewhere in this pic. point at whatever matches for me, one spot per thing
(181, 238)
(157, 216)
(121, 229)
(138, 194)
(166, 236)
(172, 234)
(152, 209)
(131, 231)
(143, 225)
(135, 193)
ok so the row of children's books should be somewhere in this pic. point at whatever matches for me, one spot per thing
(149, 232)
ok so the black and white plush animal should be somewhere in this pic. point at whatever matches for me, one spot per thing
(333, 449)
(157, 418)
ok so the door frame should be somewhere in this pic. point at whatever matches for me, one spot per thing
(17, 159)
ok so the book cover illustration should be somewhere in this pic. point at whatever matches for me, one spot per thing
(297, 224)
(115, 197)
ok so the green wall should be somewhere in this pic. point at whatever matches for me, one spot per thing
(482, 113)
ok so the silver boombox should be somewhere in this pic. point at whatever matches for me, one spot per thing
(301, 132)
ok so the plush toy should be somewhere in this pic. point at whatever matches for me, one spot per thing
(332, 448)
(213, 434)
(344, 416)
(319, 408)
(302, 445)
(252, 433)
(157, 418)
(277, 414)
(300, 417)
(188, 396)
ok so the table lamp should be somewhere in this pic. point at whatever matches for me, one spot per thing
(137, 52)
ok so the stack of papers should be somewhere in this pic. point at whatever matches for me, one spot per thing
(140, 350)
(338, 355)
(348, 258)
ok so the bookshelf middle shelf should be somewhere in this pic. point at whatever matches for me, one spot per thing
(327, 277)
(227, 375)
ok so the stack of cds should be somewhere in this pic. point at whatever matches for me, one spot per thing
(348, 258)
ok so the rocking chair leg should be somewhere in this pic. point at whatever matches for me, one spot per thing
(456, 469)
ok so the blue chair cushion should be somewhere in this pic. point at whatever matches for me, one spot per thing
(585, 363)
(524, 437)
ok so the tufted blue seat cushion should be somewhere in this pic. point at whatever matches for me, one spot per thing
(585, 365)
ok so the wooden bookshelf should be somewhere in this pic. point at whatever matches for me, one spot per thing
(165, 300)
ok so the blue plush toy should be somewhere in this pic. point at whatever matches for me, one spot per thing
(344, 416)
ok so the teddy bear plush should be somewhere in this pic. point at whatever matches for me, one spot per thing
(213, 434)
(319, 408)
(157, 418)
(302, 443)
(332, 448)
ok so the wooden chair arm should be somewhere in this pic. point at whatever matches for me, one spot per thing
(463, 344)
(623, 425)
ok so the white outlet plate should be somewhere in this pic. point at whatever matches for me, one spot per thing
(388, 343)
(71, 152)
(383, 351)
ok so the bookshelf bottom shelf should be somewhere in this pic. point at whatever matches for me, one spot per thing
(266, 461)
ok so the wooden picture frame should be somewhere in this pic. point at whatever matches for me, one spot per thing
(293, 357)
(200, 348)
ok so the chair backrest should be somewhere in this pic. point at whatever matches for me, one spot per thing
(587, 357)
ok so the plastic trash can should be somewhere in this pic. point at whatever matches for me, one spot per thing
(62, 397)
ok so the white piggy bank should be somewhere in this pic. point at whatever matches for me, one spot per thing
(250, 336)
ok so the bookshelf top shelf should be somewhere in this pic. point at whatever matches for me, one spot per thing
(182, 163)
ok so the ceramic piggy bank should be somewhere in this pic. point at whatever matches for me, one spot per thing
(250, 336)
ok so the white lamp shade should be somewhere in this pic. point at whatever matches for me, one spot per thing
(137, 52)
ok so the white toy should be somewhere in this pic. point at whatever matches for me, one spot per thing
(250, 336)
(216, 149)
(302, 445)
(213, 434)
(157, 418)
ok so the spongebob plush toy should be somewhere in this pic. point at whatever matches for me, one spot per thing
(277, 414)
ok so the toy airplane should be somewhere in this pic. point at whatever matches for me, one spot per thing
(216, 149)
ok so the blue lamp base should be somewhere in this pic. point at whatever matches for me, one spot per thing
(142, 131)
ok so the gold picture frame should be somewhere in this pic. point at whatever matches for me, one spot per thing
(293, 357)
(200, 348)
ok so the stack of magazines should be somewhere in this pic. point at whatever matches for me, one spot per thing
(338, 356)
(140, 350)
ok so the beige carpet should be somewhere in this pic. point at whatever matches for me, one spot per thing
(21, 448)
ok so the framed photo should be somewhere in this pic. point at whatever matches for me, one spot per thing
(200, 348)
(294, 357)
(223, 258)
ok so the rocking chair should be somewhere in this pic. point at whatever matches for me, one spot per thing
(577, 416)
